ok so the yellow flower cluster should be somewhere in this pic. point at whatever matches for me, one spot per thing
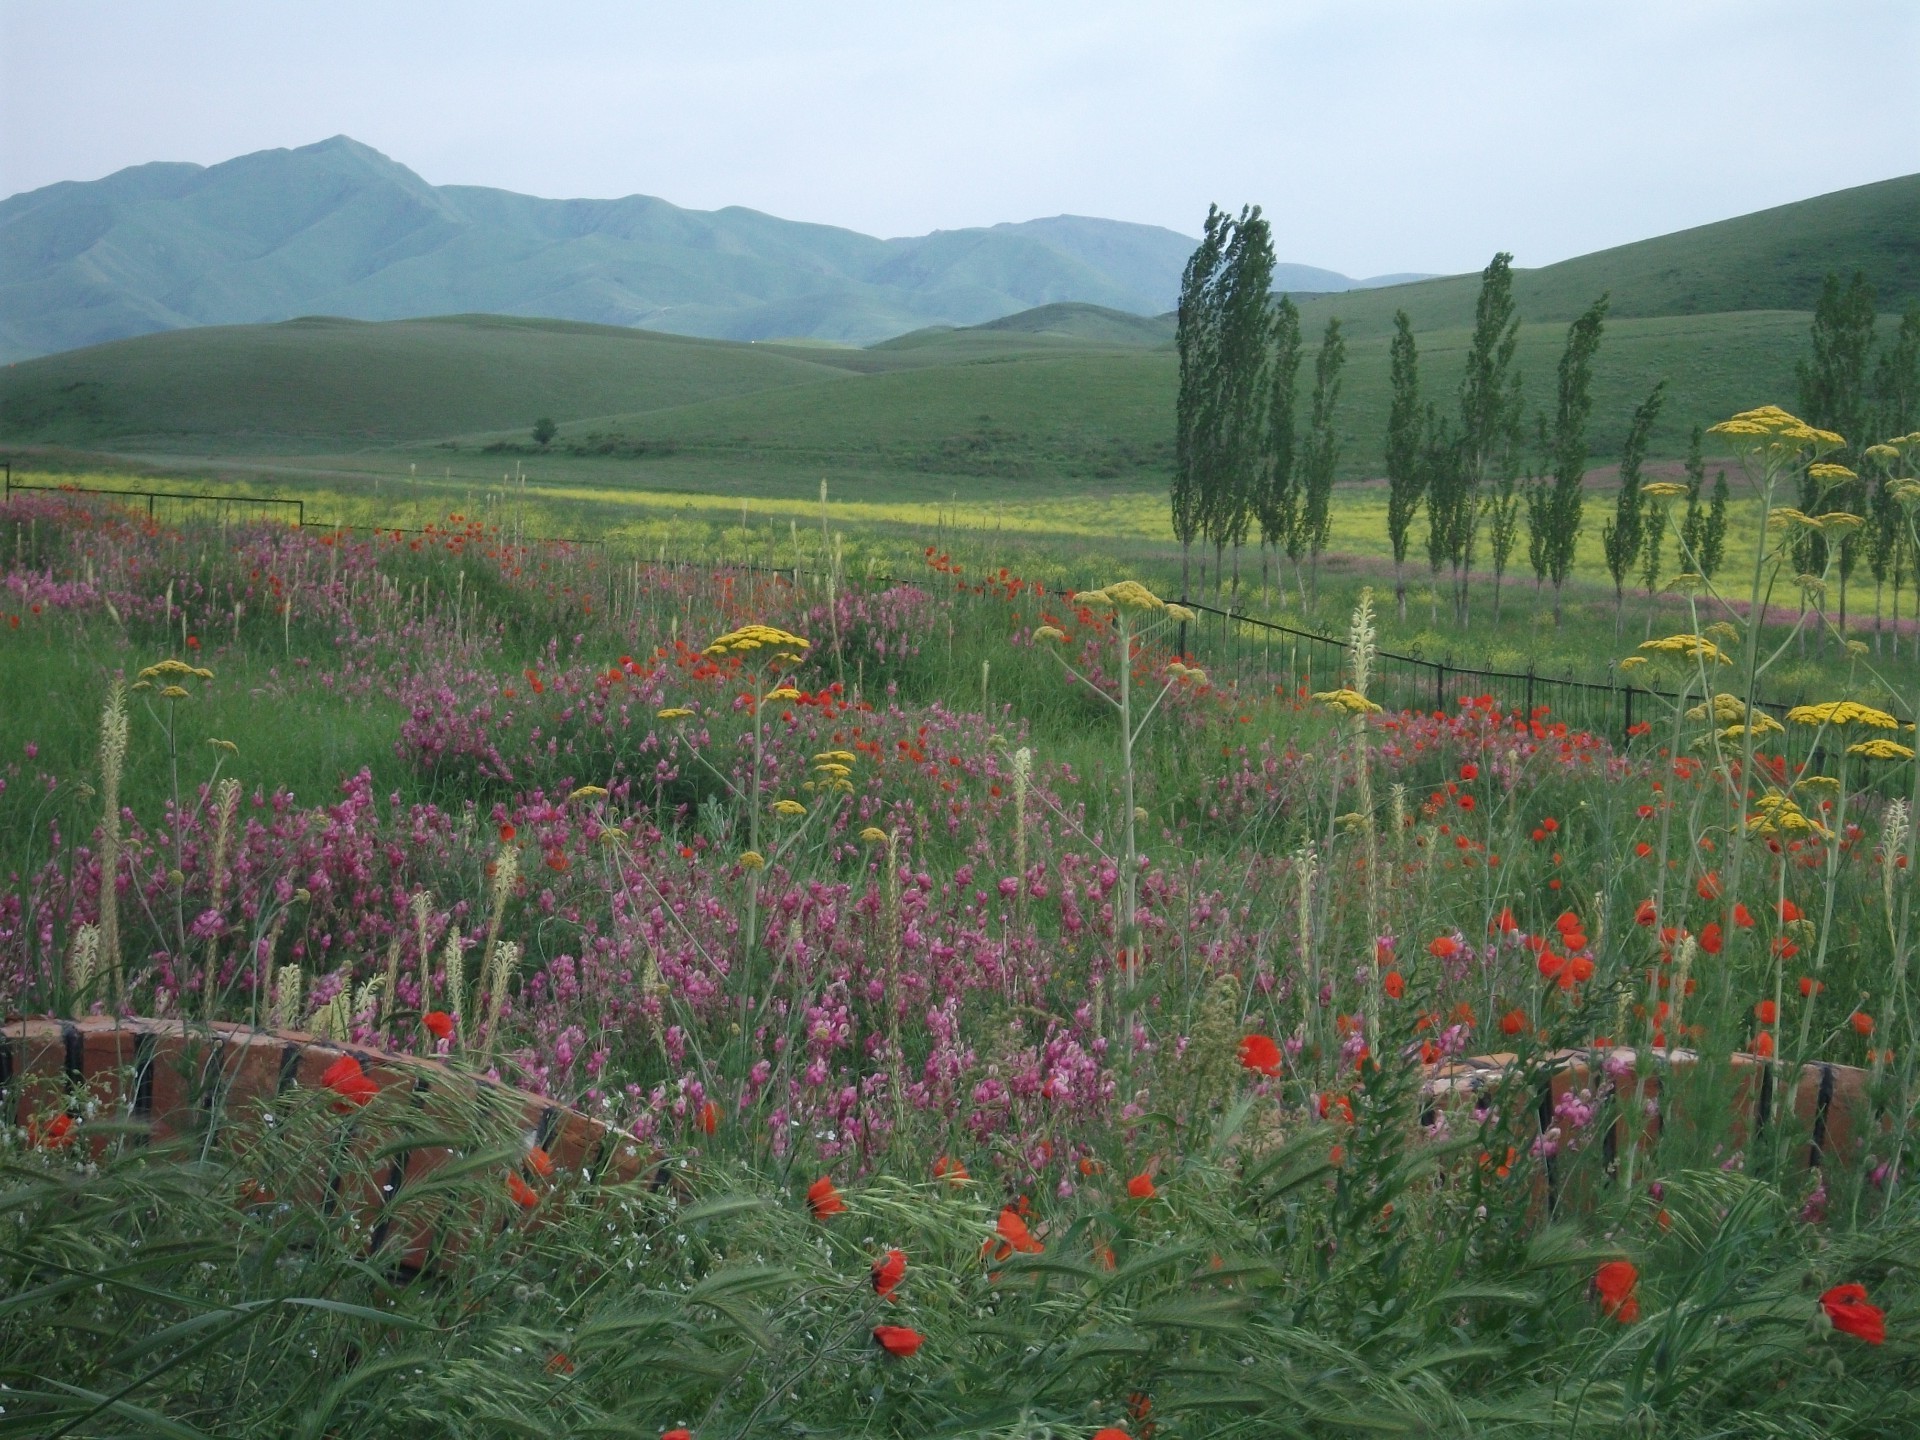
(1128, 594)
(1842, 712)
(1770, 422)
(788, 809)
(1192, 674)
(1664, 490)
(784, 692)
(749, 638)
(1351, 701)
(1778, 815)
(752, 860)
(1694, 647)
(672, 712)
(832, 771)
(1827, 473)
(873, 835)
(1880, 748)
(1726, 710)
(1049, 632)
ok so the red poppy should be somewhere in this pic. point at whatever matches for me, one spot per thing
(1395, 984)
(1469, 771)
(1763, 1045)
(1615, 1281)
(1862, 1022)
(1259, 1054)
(1551, 964)
(523, 1194)
(1140, 1187)
(708, 1118)
(1742, 916)
(1504, 922)
(950, 1170)
(888, 1271)
(680, 1434)
(1513, 1022)
(507, 832)
(1443, 947)
(1808, 985)
(1111, 1432)
(1550, 825)
(540, 1162)
(1709, 886)
(1789, 911)
(823, 1199)
(57, 1136)
(1848, 1310)
(560, 1363)
(346, 1079)
(1711, 939)
(1014, 1236)
(1645, 812)
(439, 1022)
(897, 1340)
(1646, 914)
(1767, 1012)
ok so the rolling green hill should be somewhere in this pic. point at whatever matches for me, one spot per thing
(1769, 260)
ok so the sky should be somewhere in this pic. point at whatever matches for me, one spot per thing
(1380, 135)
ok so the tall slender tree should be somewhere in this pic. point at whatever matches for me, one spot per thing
(1406, 477)
(1834, 395)
(1323, 450)
(1694, 524)
(1196, 421)
(1503, 529)
(1563, 441)
(1625, 533)
(1440, 478)
(1489, 416)
(1277, 504)
(1713, 537)
(1896, 380)
(1245, 319)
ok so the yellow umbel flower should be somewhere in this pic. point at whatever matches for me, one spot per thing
(1179, 612)
(873, 835)
(749, 638)
(168, 669)
(1829, 474)
(1633, 661)
(833, 768)
(788, 809)
(1130, 594)
(672, 712)
(226, 745)
(1694, 647)
(752, 860)
(1842, 712)
(1726, 710)
(785, 692)
(1884, 453)
(1049, 632)
(1664, 490)
(1880, 748)
(1770, 422)
(1351, 701)
(1781, 516)
(839, 757)
(588, 792)
(174, 692)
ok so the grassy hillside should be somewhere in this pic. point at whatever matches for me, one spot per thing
(1769, 260)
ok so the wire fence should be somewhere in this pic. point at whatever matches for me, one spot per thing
(1278, 656)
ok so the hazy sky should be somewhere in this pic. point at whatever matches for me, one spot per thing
(1381, 135)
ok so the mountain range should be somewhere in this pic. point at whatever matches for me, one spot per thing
(339, 229)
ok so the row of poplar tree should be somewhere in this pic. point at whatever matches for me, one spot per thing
(1243, 468)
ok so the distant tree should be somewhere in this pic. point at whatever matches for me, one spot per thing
(1563, 441)
(1406, 479)
(1883, 534)
(1440, 479)
(543, 431)
(1896, 380)
(1196, 407)
(1834, 396)
(1489, 416)
(1503, 529)
(1653, 544)
(1623, 535)
(1245, 321)
(1539, 532)
(1693, 524)
(1323, 448)
(1277, 498)
(1713, 537)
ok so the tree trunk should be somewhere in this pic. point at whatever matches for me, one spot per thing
(1400, 589)
(1556, 604)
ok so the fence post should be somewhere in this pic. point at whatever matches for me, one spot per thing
(1181, 646)
(1529, 692)
(1627, 738)
(1439, 686)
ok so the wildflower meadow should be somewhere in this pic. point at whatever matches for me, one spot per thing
(997, 1020)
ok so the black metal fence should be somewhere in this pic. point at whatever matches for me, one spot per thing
(176, 504)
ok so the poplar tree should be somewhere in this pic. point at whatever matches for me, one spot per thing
(1834, 396)
(1694, 523)
(1896, 380)
(1406, 477)
(1440, 478)
(1713, 538)
(1246, 283)
(1503, 529)
(1563, 441)
(1489, 417)
(1277, 501)
(1323, 448)
(1196, 340)
(1624, 534)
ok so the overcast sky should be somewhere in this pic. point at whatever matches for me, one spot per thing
(1381, 135)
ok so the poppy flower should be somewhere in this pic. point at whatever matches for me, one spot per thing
(1469, 771)
(1789, 911)
(1709, 886)
(1014, 1236)
(1848, 1310)
(823, 1199)
(523, 1194)
(1766, 1012)
(1140, 1187)
(1504, 922)
(1259, 1054)
(1111, 1432)
(1395, 985)
(708, 1118)
(1742, 916)
(1808, 986)
(1862, 1023)
(1443, 947)
(950, 1170)
(1711, 938)
(888, 1271)
(1763, 1045)
(560, 1363)
(679, 1434)
(1646, 914)
(507, 832)
(439, 1023)
(898, 1340)
(1513, 1022)
(1551, 964)
(1615, 1281)
(1550, 825)
(56, 1136)
(346, 1079)
(540, 1163)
